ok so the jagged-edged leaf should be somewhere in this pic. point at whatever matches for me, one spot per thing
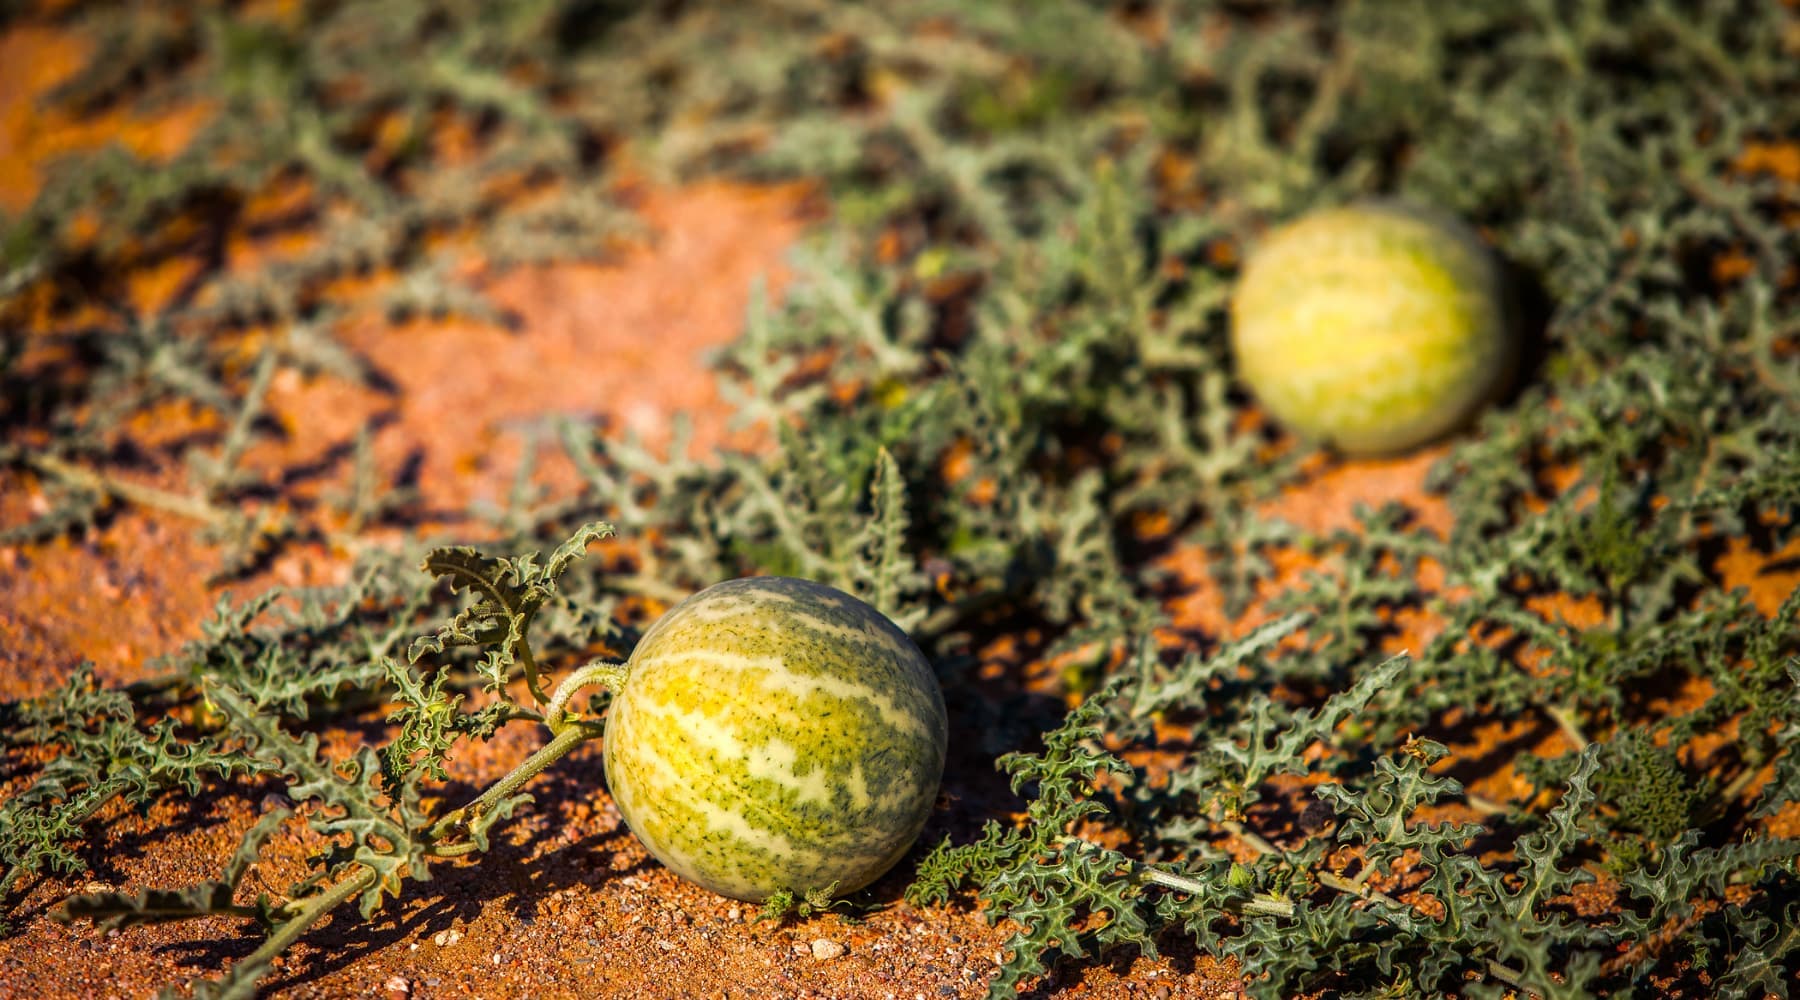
(509, 593)
(109, 910)
(886, 574)
(380, 832)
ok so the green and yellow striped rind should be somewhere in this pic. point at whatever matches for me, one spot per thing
(1374, 326)
(774, 733)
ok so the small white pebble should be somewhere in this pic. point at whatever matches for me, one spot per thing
(734, 914)
(666, 945)
(398, 984)
(445, 939)
(644, 418)
(825, 949)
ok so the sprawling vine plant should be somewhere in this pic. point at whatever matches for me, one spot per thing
(1001, 404)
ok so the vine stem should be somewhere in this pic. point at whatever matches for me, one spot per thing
(1484, 805)
(1357, 887)
(564, 741)
(1251, 837)
(308, 913)
(608, 675)
(185, 505)
(522, 653)
(1267, 906)
(1354, 887)
(1507, 975)
(1754, 759)
(1564, 717)
(191, 506)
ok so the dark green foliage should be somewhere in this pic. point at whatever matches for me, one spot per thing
(1048, 882)
(105, 755)
(511, 591)
(1654, 796)
(999, 391)
(136, 743)
(783, 904)
(368, 807)
(110, 910)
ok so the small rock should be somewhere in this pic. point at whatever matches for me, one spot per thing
(825, 949)
(734, 914)
(665, 944)
(445, 939)
(397, 985)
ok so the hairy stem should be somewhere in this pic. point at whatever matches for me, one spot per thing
(607, 675)
(183, 504)
(529, 768)
(522, 653)
(1755, 757)
(1484, 805)
(1262, 906)
(1251, 837)
(1564, 717)
(307, 912)
(1267, 906)
(1356, 887)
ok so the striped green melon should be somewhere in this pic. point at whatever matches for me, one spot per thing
(776, 734)
(1374, 326)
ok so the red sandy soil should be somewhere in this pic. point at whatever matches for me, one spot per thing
(569, 904)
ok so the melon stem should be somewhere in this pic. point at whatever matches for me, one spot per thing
(559, 746)
(607, 675)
